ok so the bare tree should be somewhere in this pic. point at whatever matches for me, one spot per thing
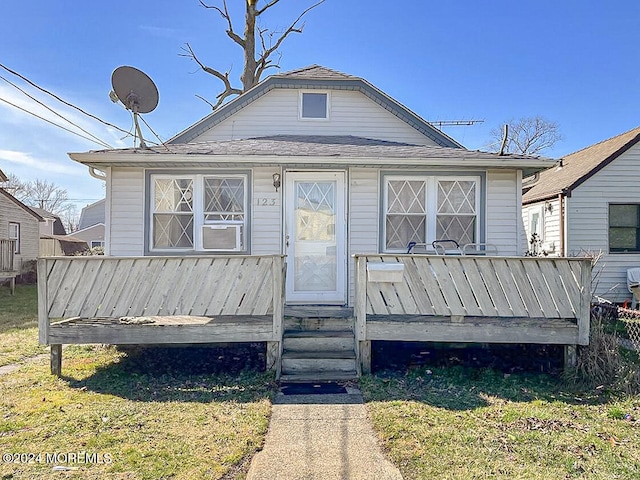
(254, 65)
(528, 136)
(38, 193)
(15, 186)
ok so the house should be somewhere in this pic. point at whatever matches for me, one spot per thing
(288, 201)
(91, 224)
(591, 206)
(19, 227)
(51, 224)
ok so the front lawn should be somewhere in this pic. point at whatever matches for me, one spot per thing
(142, 414)
(459, 423)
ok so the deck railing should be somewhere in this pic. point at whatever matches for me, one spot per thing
(473, 289)
(7, 255)
(114, 287)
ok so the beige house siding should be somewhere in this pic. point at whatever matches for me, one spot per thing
(29, 230)
(351, 113)
(588, 222)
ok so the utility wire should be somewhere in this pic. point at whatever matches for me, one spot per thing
(48, 121)
(13, 72)
(99, 141)
(159, 139)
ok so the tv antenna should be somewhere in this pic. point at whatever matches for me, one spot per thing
(136, 91)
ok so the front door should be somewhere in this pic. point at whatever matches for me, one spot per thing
(315, 237)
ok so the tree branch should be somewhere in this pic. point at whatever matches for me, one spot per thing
(223, 77)
(225, 14)
(263, 62)
(266, 7)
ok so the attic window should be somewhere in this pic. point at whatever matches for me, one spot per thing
(314, 105)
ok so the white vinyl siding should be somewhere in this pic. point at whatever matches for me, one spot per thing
(588, 222)
(363, 217)
(550, 211)
(266, 226)
(502, 212)
(278, 112)
(126, 219)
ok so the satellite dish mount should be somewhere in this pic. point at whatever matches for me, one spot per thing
(136, 91)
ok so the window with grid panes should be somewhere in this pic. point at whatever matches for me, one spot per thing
(428, 208)
(199, 213)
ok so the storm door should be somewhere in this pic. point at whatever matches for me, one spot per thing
(315, 237)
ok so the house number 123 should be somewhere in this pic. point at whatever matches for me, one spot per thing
(266, 202)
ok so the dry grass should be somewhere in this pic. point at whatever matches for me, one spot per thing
(603, 363)
(146, 414)
(459, 423)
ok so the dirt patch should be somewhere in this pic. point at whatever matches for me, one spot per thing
(506, 358)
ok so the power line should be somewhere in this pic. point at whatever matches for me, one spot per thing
(48, 121)
(13, 72)
(99, 141)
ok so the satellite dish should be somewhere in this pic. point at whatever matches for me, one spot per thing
(136, 91)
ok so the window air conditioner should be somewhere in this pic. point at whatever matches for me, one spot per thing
(222, 237)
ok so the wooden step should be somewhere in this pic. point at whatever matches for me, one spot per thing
(318, 323)
(318, 343)
(322, 364)
(318, 333)
(318, 377)
(332, 354)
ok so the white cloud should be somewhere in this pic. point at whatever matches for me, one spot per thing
(25, 160)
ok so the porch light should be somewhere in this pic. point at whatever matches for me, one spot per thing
(276, 181)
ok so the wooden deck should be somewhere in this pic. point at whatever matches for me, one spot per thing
(471, 299)
(161, 300)
(7, 262)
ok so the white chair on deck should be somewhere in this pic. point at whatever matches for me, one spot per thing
(486, 249)
(633, 284)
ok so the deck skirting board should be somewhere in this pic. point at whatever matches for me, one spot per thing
(472, 330)
(244, 329)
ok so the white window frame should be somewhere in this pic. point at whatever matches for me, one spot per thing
(431, 204)
(199, 214)
(15, 237)
(327, 93)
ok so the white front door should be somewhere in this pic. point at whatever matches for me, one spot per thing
(315, 237)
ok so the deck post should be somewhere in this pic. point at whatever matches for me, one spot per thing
(56, 359)
(43, 302)
(274, 348)
(570, 357)
(584, 320)
(363, 347)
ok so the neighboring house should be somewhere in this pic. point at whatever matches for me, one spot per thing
(324, 176)
(54, 240)
(20, 224)
(91, 225)
(591, 206)
(52, 224)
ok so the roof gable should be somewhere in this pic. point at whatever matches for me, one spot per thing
(309, 78)
(580, 166)
(13, 199)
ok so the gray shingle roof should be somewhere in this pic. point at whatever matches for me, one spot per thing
(314, 146)
(315, 71)
(579, 166)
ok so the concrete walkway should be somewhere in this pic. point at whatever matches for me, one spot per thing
(321, 437)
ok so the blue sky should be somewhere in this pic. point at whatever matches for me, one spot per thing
(573, 62)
